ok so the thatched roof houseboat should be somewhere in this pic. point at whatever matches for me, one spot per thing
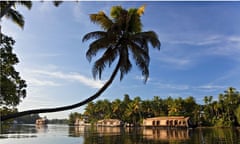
(110, 122)
(81, 122)
(41, 121)
(167, 121)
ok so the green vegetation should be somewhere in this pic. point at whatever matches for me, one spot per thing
(13, 88)
(73, 116)
(225, 111)
(221, 113)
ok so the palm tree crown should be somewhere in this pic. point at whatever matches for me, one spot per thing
(121, 36)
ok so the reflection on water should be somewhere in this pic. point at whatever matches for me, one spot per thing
(19, 131)
(167, 134)
(220, 135)
(77, 131)
(41, 128)
(109, 135)
(63, 134)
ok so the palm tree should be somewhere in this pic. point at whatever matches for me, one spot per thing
(122, 35)
(116, 106)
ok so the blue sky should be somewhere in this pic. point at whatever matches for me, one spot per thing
(199, 56)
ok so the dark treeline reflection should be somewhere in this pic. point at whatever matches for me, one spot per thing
(118, 135)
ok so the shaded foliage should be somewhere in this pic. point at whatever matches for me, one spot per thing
(13, 87)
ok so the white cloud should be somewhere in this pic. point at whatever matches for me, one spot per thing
(193, 39)
(38, 82)
(176, 61)
(234, 39)
(163, 85)
(229, 46)
(209, 88)
(66, 76)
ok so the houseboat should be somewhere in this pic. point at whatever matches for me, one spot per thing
(81, 122)
(110, 122)
(168, 121)
(41, 121)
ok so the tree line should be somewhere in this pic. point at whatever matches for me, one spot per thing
(225, 111)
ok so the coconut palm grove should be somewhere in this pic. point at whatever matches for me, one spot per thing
(223, 112)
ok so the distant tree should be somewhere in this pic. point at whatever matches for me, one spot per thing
(90, 111)
(225, 111)
(232, 102)
(117, 108)
(73, 117)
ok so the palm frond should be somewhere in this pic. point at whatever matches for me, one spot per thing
(149, 36)
(98, 67)
(110, 54)
(134, 21)
(94, 35)
(27, 4)
(115, 11)
(125, 63)
(16, 17)
(140, 10)
(142, 59)
(96, 46)
(57, 3)
(101, 19)
(139, 51)
(108, 57)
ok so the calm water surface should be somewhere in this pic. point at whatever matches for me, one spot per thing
(63, 134)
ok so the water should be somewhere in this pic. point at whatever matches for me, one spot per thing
(63, 134)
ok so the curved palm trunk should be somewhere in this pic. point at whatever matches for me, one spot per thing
(63, 108)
